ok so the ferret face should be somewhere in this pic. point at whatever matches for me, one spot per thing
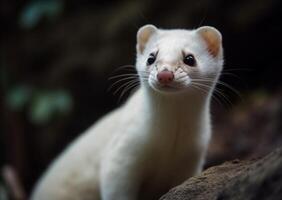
(176, 60)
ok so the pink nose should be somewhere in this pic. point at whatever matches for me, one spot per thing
(165, 77)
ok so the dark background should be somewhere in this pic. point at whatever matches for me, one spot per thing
(56, 58)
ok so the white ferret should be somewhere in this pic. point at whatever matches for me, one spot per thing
(159, 137)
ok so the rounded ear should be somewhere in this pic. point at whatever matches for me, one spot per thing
(212, 38)
(143, 35)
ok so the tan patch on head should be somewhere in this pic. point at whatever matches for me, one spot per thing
(212, 38)
(143, 36)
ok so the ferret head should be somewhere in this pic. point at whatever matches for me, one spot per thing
(175, 60)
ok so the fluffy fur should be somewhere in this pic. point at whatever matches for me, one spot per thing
(158, 138)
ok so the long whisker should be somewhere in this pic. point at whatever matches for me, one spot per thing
(237, 69)
(207, 91)
(127, 67)
(217, 92)
(122, 75)
(230, 88)
(123, 85)
(236, 92)
(229, 74)
(120, 80)
(127, 88)
(132, 89)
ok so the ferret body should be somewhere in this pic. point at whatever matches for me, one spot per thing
(159, 137)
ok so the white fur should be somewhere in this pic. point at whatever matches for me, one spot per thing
(156, 140)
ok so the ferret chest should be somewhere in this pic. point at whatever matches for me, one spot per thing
(167, 167)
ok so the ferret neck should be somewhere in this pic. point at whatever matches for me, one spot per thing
(173, 113)
(190, 101)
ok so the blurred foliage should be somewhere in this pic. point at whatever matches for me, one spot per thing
(36, 10)
(3, 192)
(47, 104)
(43, 104)
(18, 97)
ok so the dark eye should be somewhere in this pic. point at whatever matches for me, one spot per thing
(151, 59)
(189, 60)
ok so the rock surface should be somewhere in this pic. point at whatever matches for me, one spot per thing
(257, 179)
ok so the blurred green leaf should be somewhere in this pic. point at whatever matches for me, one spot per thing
(37, 9)
(46, 105)
(62, 101)
(41, 109)
(3, 193)
(17, 97)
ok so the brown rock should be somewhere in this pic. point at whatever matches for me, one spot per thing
(259, 179)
